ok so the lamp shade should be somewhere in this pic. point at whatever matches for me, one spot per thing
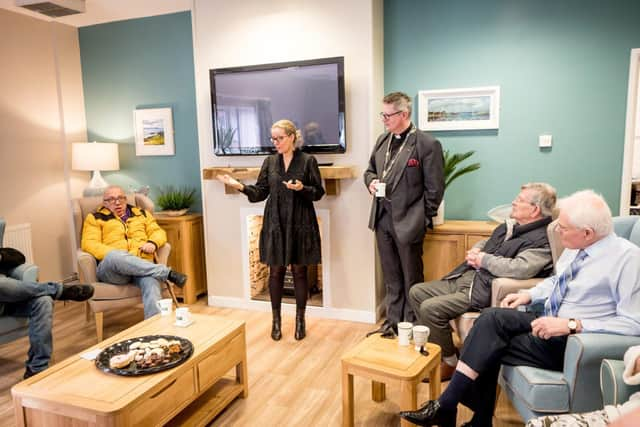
(95, 156)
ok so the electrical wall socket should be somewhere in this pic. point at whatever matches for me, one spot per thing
(544, 141)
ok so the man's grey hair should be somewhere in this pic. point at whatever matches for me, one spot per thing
(588, 209)
(544, 197)
(400, 101)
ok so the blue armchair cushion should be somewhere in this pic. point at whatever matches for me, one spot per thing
(540, 389)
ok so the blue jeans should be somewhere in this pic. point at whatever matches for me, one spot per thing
(35, 301)
(121, 268)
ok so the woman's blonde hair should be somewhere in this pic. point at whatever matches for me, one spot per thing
(290, 129)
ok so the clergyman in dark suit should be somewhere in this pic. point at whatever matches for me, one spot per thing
(406, 179)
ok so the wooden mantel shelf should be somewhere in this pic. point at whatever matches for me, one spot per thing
(331, 175)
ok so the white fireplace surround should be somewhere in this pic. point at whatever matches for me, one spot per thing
(326, 311)
(323, 214)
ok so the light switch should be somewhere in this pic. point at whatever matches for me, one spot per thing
(544, 141)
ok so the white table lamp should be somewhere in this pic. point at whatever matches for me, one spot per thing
(96, 157)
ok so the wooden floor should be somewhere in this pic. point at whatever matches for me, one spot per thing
(291, 383)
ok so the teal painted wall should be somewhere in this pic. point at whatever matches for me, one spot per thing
(137, 64)
(562, 66)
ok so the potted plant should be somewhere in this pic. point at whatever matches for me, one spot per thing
(176, 201)
(452, 171)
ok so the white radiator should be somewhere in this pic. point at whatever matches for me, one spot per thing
(19, 237)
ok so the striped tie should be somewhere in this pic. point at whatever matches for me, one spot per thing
(552, 305)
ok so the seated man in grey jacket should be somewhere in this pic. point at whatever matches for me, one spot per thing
(518, 249)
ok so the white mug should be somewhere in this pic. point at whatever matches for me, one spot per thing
(420, 336)
(183, 316)
(404, 333)
(381, 189)
(165, 306)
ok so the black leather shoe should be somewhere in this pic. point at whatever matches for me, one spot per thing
(28, 373)
(386, 330)
(300, 328)
(76, 293)
(276, 331)
(177, 278)
(431, 414)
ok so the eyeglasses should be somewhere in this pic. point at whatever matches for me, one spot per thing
(120, 199)
(521, 200)
(275, 139)
(386, 116)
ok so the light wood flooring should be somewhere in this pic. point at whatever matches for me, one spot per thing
(291, 383)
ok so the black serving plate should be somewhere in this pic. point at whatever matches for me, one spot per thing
(122, 347)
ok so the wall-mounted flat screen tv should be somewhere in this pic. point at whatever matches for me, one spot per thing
(246, 101)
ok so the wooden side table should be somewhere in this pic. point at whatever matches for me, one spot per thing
(383, 360)
(186, 236)
(445, 246)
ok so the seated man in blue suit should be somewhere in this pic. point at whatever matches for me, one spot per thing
(596, 289)
(35, 301)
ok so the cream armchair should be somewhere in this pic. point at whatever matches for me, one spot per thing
(108, 297)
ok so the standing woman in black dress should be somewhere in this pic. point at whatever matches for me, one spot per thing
(290, 235)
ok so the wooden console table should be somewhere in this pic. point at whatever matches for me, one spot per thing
(186, 235)
(75, 392)
(445, 246)
(331, 175)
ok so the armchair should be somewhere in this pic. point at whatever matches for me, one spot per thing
(107, 296)
(501, 286)
(12, 328)
(536, 392)
(614, 390)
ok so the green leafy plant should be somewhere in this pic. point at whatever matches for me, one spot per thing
(452, 168)
(174, 199)
(225, 137)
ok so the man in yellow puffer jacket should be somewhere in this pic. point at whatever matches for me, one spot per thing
(123, 238)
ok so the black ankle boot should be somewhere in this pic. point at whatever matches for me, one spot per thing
(276, 331)
(300, 326)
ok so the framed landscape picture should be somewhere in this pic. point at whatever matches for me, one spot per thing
(154, 132)
(459, 109)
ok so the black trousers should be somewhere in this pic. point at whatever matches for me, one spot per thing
(401, 268)
(503, 336)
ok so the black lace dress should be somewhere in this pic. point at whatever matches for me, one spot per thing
(290, 233)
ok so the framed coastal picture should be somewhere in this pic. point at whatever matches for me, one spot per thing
(459, 109)
(154, 132)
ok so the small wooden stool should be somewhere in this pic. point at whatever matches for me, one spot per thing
(383, 360)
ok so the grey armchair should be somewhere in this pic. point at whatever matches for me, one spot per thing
(614, 390)
(536, 392)
(107, 296)
(12, 328)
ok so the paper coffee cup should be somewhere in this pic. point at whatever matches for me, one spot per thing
(404, 333)
(381, 189)
(420, 336)
(165, 306)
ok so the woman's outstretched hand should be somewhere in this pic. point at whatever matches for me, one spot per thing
(294, 184)
(230, 181)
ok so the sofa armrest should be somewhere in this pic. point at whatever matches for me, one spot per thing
(502, 286)
(25, 272)
(87, 266)
(614, 390)
(582, 360)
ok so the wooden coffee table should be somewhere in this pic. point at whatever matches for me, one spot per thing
(75, 392)
(383, 360)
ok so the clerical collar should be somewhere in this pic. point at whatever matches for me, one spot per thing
(403, 135)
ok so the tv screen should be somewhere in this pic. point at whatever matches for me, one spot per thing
(246, 101)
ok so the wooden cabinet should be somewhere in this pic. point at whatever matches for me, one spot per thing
(186, 236)
(445, 246)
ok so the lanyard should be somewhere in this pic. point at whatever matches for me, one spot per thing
(388, 165)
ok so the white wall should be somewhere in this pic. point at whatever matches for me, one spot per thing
(41, 111)
(256, 32)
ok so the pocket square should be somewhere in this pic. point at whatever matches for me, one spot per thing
(412, 163)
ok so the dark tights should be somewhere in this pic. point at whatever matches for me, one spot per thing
(276, 285)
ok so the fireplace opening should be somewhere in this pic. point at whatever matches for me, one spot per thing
(259, 272)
